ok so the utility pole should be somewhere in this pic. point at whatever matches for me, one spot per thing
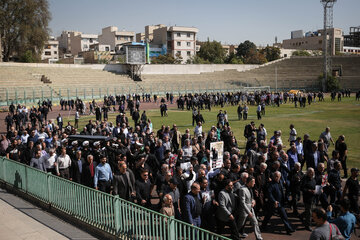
(276, 78)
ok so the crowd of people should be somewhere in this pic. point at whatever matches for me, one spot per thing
(142, 164)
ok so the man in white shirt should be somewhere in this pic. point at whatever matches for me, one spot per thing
(63, 164)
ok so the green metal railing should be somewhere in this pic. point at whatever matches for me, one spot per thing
(103, 211)
(31, 95)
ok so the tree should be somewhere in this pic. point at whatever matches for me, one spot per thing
(23, 27)
(271, 53)
(244, 49)
(166, 59)
(197, 60)
(332, 83)
(233, 59)
(255, 57)
(212, 52)
(301, 53)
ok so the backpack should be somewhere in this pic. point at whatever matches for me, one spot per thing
(336, 235)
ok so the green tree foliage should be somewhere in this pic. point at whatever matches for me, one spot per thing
(23, 27)
(28, 57)
(271, 53)
(301, 53)
(197, 60)
(244, 49)
(332, 83)
(166, 59)
(212, 52)
(233, 59)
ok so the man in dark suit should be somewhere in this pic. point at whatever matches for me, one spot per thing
(88, 171)
(76, 167)
(276, 202)
(312, 157)
(124, 182)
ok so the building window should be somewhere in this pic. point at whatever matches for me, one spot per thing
(118, 38)
(169, 35)
(178, 53)
(55, 52)
(48, 53)
(178, 34)
(188, 53)
(178, 44)
(91, 41)
(188, 35)
(107, 49)
(126, 38)
(188, 44)
(48, 47)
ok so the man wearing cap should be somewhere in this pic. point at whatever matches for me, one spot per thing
(103, 176)
(353, 188)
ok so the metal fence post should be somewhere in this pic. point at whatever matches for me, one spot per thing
(68, 93)
(26, 180)
(16, 96)
(117, 214)
(7, 97)
(84, 93)
(42, 94)
(92, 93)
(51, 95)
(25, 96)
(76, 92)
(33, 95)
(48, 187)
(171, 228)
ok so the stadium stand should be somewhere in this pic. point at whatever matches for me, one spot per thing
(44, 82)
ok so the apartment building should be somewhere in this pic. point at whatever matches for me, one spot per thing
(81, 42)
(51, 50)
(314, 40)
(111, 36)
(73, 42)
(180, 41)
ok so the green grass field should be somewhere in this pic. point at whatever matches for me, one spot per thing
(342, 117)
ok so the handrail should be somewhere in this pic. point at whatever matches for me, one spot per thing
(106, 212)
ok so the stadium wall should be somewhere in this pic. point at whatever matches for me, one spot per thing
(147, 69)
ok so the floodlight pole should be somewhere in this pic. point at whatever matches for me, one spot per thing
(328, 24)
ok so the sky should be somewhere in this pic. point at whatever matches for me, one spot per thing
(227, 21)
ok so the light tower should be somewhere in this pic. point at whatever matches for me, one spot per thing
(327, 49)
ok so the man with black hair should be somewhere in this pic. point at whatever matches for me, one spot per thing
(353, 188)
(225, 211)
(346, 221)
(247, 204)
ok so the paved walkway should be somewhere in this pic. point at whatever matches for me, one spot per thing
(22, 220)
